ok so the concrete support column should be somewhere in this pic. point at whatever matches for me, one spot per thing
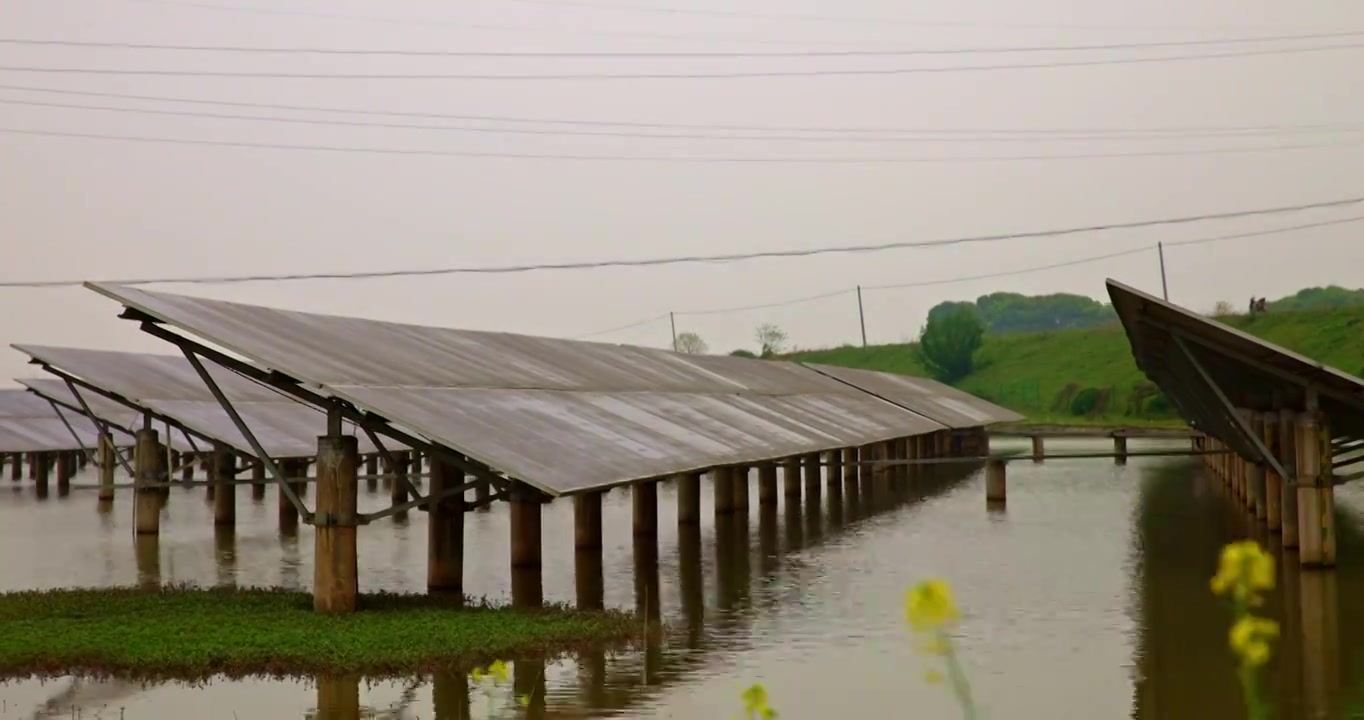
(372, 472)
(644, 505)
(790, 477)
(399, 488)
(107, 466)
(1273, 493)
(258, 480)
(767, 484)
(689, 499)
(41, 468)
(722, 485)
(1316, 494)
(995, 489)
(833, 474)
(335, 567)
(288, 514)
(1288, 457)
(1119, 449)
(65, 468)
(865, 455)
(739, 483)
(16, 467)
(445, 532)
(1038, 451)
(527, 581)
(224, 469)
(587, 545)
(146, 498)
(813, 479)
(850, 472)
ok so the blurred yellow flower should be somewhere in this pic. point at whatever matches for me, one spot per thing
(1250, 638)
(499, 671)
(755, 703)
(1245, 570)
(929, 605)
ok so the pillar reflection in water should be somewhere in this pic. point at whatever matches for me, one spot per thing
(795, 530)
(338, 697)
(692, 585)
(450, 694)
(647, 602)
(225, 554)
(148, 551)
(769, 549)
(528, 682)
(1321, 677)
(592, 679)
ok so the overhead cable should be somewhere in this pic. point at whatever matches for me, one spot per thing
(1227, 129)
(851, 138)
(901, 52)
(691, 159)
(733, 257)
(722, 75)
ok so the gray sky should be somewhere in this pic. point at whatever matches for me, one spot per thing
(83, 208)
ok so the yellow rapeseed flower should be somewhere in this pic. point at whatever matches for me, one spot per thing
(933, 677)
(1250, 638)
(477, 674)
(1245, 570)
(929, 605)
(755, 703)
(499, 671)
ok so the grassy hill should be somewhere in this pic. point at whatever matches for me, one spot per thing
(1044, 375)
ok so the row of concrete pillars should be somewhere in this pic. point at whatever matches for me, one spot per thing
(800, 479)
(1300, 507)
(1039, 452)
(64, 464)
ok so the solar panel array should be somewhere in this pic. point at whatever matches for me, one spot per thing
(29, 424)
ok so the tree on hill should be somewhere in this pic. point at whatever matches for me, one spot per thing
(742, 353)
(1005, 312)
(771, 339)
(1319, 298)
(949, 342)
(691, 343)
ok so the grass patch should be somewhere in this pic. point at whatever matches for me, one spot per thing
(1039, 374)
(190, 633)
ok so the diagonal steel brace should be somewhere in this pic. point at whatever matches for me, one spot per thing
(103, 426)
(270, 464)
(1241, 423)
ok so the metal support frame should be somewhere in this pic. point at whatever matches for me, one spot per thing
(100, 424)
(89, 454)
(392, 463)
(1245, 428)
(148, 415)
(1308, 387)
(293, 388)
(270, 465)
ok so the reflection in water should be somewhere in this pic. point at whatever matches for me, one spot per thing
(1093, 567)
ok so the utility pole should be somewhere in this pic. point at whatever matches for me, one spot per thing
(672, 319)
(861, 316)
(1164, 288)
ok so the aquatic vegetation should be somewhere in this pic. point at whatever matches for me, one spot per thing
(195, 633)
(1244, 571)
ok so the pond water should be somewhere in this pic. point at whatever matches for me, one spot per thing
(1086, 597)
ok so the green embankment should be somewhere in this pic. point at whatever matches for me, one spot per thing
(194, 633)
(1042, 374)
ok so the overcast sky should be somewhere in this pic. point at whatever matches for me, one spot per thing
(77, 208)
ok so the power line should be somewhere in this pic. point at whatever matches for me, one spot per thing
(1226, 129)
(902, 52)
(853, 138)
(1006, 273)
(618, 328)
(621, 6)
(603, 4)
(703, 159)
(433, 22)
(732, 257)
(726, 75)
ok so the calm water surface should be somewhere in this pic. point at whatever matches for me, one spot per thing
(1087, 597)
